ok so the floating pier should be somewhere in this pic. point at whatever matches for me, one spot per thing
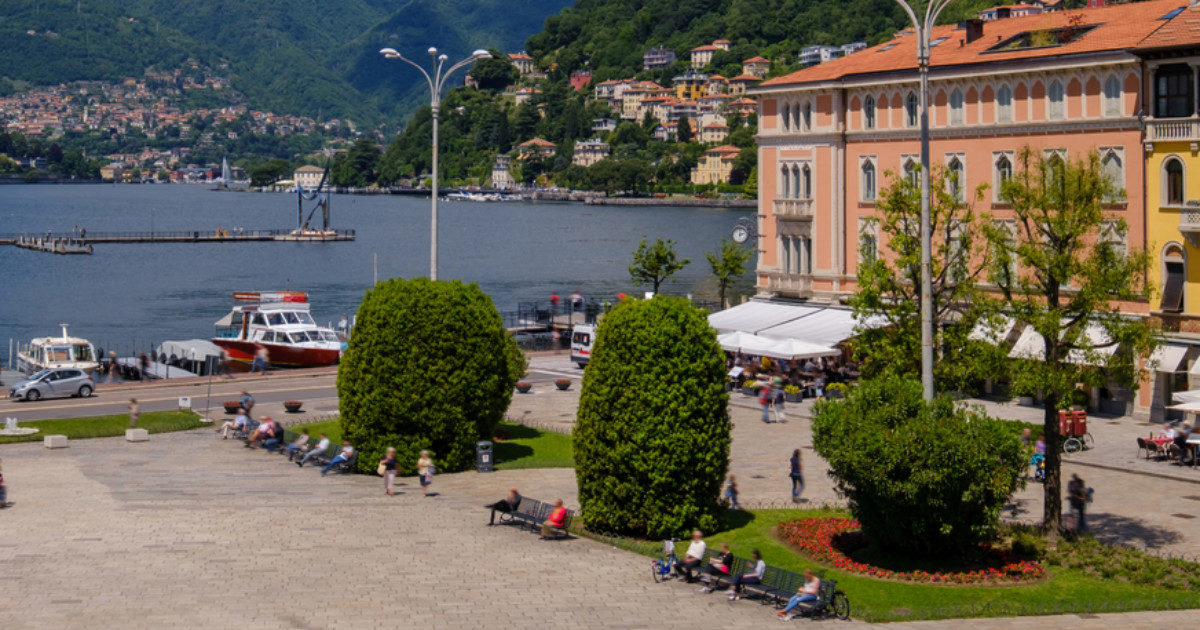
(82, 243)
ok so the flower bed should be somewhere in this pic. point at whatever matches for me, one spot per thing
(828, 540)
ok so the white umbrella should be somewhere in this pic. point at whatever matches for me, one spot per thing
(1191, 395)
(741, 341)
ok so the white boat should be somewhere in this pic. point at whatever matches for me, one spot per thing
(58, 352)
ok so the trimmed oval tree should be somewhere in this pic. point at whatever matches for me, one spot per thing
(926, 478)
(652, 435)
(429, 366)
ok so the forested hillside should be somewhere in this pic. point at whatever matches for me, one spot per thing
(309, 57)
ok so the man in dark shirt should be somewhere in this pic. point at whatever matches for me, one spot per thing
(507, 505)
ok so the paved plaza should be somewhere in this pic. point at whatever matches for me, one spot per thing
(193, 532)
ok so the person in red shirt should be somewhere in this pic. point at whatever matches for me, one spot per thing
(556, 520)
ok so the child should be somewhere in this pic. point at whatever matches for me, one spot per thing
(731, 493)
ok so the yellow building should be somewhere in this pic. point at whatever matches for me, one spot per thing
(690, 86)
(716, 165)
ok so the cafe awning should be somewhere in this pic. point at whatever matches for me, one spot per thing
(1030, 345)
(1168, 357)
(1191, 395)
(825, 327)
(755, 315)
(756, 345)
(994, 332)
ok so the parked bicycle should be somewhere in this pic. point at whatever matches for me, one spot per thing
(663, 569)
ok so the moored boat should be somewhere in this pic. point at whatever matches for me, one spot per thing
(278, 322)
(58, 352)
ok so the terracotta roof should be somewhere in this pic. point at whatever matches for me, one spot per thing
(717, 77)
(519, 56)
(716, 125)
(725, 148)
(536, 142)
(746, 78)
(1182, 30)
(722, 41)
(1117, 27)
(745, 101)
(757, 60)
(704, 48)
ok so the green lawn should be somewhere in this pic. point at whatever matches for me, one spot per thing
(522, 446)
(1064, 591)
(107, 426)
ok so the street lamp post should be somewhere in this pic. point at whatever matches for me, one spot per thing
(436, 80)
(923, 25)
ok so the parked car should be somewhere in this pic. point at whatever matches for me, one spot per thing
(50, 383)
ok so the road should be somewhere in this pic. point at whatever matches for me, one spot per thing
(317, 388)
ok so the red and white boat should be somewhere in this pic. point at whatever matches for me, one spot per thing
(280, 323)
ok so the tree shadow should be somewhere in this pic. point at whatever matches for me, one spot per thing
(734, 519)
(1123, 530)
(509, 451)
(516, 432)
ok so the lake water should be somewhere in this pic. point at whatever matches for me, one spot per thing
(128, 296)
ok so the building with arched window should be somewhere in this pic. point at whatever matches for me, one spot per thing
(1064, 84)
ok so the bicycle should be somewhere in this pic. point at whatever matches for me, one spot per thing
(662, 569)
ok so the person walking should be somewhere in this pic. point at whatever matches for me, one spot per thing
(1078, 496)
(3, 491)
(731, 493)
(765, 399)
(425, 470)
(260, 361)
(388, 466)
(144, 364)
(796, 473)
(134, 413)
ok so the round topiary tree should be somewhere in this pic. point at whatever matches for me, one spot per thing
(929, 478)
(652, 436)
(429, 366)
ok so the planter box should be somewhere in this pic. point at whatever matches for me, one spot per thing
(749, 391)
(231, 408)
(524, 387)
(793, 398)
(563, 384)
(292, 406)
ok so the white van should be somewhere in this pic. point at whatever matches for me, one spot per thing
(582, 338)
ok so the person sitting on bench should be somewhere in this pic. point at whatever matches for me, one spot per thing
(556, 520)
(695, 555)
(321, 447)
(760, 567)
(507, 505)
(266, 429)
(237, 424)
(718, 568)
(297, 445)
(807, 593)
(342, 457)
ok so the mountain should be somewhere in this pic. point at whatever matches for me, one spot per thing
(295, 56)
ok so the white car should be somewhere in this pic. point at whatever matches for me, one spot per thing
(51, 383)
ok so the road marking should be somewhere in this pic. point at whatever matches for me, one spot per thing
(578, 374)
(100, 403)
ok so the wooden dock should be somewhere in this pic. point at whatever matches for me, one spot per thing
(87, 239)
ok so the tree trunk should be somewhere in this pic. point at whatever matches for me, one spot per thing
(721, 290)
(1052, 508)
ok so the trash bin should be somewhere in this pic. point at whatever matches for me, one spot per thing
(483, 456)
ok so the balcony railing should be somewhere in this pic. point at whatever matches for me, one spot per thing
(793, 208)
(1184, 129)
(789, 284)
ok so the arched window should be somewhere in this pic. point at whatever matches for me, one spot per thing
(1112, 96)
(1054, 170)
(955, 178)
(1173, 192)
(1004, 109)
(787, 116)
(784, 184)
(806, 182)
(869, 113)
(868, 181)
(1174, 278)
(1114, 170)
(910, 109)
(807, 114)
(912, 172)
(1055, 96)
(1004, 172)
(796, 190)
(956, 107)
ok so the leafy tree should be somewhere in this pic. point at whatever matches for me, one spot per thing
(728, 266)
(923, 477)
(268, 172)
(359, 167)
(649, 122)
(647, 465)
(415, 382)
(889, 285)
(683, 132)
(750, 188)
(655, 264)
(496, 73)
(745, 161)
(1062, 268)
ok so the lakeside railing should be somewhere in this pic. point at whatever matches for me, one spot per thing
(166, 236)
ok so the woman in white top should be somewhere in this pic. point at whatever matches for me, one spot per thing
(754, 577)
(807, 593)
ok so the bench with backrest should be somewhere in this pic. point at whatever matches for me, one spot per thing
(244, 432)
(778, 585)
(720, 580)
(533, 513)
(824, 597)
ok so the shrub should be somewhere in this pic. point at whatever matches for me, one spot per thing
(923, 477)
(430, 366)
(652, 435)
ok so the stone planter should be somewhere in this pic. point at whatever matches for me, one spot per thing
(793, 398)
(563, 384)
(749, 391)
(292, 406)
(524, 386)
(231, 407)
